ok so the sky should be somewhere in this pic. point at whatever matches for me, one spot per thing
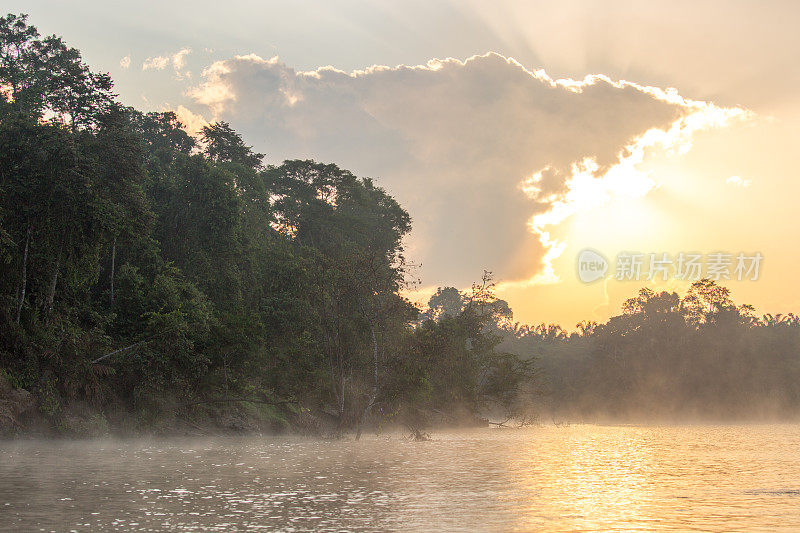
(516, 134)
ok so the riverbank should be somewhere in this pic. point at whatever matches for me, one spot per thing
(27, 415)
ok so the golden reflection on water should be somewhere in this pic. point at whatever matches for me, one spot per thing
(592, 479)
(574, 478)
(709, 478)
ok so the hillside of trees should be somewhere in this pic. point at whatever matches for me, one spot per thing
(148, 278)
(153, 281)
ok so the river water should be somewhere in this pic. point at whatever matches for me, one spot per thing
(568, 478)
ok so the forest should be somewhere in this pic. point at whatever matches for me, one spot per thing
(156, 282)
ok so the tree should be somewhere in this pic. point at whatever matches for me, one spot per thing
(20, 64)
(447, 301)
(162, 133)
(222, 144)
(45, 75)
(354, 232)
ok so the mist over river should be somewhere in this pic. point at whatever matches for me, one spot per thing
(548, 478)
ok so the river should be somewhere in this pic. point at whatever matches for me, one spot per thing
(548, 478)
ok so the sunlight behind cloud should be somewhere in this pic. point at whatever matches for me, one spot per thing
(588, 187)
(467, 132)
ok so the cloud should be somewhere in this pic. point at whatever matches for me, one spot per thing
(487, 155)
(192, 122)
(737, 181)
(177, 60)
(125, 62)
(155, 63)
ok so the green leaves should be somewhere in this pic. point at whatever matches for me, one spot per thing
(46, 77)
(223, 145)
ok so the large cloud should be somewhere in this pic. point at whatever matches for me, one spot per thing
(485, 154)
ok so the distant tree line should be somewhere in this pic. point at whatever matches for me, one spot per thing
(699, 357)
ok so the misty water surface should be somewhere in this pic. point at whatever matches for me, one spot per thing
(542, 478)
